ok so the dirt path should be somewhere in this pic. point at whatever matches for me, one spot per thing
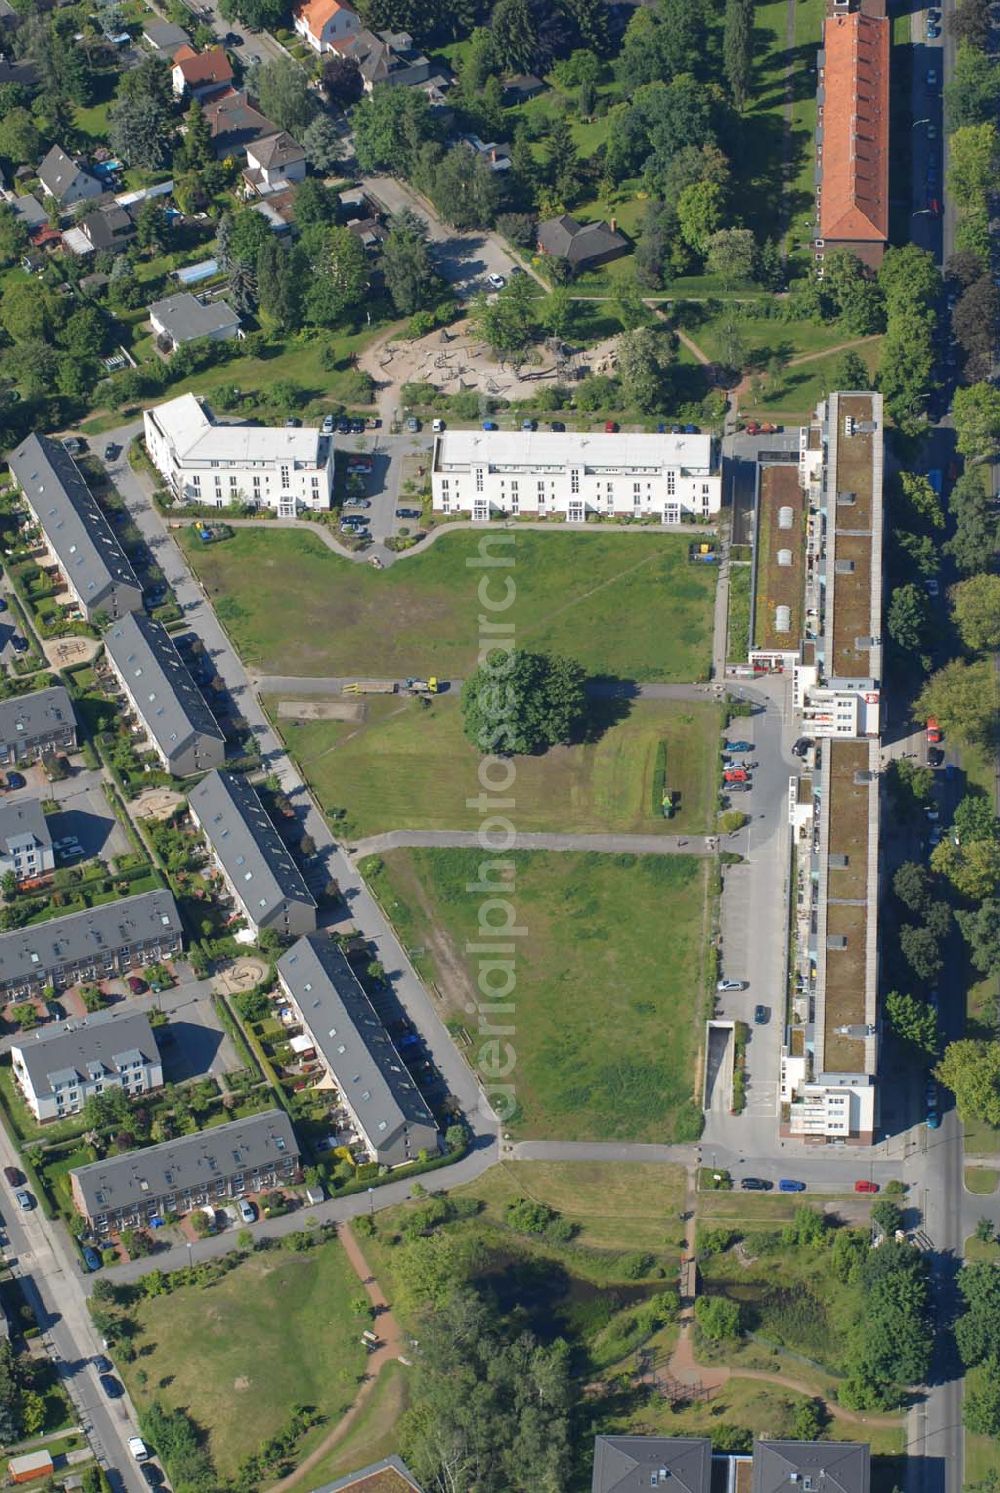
(391, 1345)
(827, 352)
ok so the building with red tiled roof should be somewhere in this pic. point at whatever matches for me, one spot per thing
(200, 73)
(323, 22)
(852, 133)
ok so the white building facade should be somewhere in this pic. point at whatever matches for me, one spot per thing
(488, 474)
(289, 470)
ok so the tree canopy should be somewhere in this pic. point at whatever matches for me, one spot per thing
(521, 703)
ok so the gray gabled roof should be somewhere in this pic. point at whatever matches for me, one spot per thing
(277, 151)
(30, 211)
(165, 36)
(25, 717)
(172, 706)
(578, 242)
(356, 1046)
(240, 832)
(20, 817)
(74, 1049)
(192, 1161)
(30, 952)
(624, 1464)
(811, 1467)
(58, 173)
(80, 536)
(183, 317)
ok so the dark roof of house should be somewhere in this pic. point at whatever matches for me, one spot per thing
(624, 1464)
(30, 211)
(23, 717)
(184, 318)
(87, 935)
(20, 817)
(578, 242)
(80, 536)
(58, 173)
(86, 1047)
(192, 1161)
(240, 832)
(172, 706)
(107, 226)
(276, 151)
(357, 1048)
(235, 124)
(811, 1467)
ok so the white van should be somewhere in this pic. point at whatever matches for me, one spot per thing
(138, 1448)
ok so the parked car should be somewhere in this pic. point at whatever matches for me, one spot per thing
(735, 774)
(13, 1176)
(935, 756)
(24, 1200)
(102, 1364)
(412, 424)
(248, 1212)
(3, 605)
(934, 733)
(866, 1186)
(933, 32)
(737, 746)
(691, 430)
(610, 427)
(19, 644)
(755, 1184)
(490, 425)
(91, 1258)
(738, 787)
(801, 746)
(557, 425)
(293, 422)
(786, 1184)
(136, 986)
(437, 425)
(724, 985)
(761, 1015)
(357, 425)
(409, 513)
(111, 1386)
(357, 502)
(112, 451)
(496, 282)
(327, 427)
(15, 780)
(528, 425)
(344, 426)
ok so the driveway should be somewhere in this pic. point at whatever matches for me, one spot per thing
(465, 260)
(84, 815)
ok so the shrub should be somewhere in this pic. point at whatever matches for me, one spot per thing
(717, 1317)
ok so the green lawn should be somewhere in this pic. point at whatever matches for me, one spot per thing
(802, 387)
(740, 579)
(609, 980)
(981, 1180)
(373, 1436)
(276, 1332)
(385, 770)
(623, 604)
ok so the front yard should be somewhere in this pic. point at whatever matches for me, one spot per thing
(609, 980)
(628, 605)
(382, 768)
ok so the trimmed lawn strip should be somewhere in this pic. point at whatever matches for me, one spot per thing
(609, 980)
(981, 1180)
(628, 605)
(982, 1455)
(739, 613)
(385, 770)
(276, 1332)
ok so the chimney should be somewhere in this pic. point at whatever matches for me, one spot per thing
(614, 225)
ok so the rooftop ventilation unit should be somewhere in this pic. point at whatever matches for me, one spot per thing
(784, 558)
(786, 517)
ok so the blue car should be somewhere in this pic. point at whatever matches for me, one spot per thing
(737, 746)
(91, 1258)
(489, 425)
(786, 1185)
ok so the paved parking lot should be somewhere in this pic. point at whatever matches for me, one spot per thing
(193, 1045)
(389, 471)
(84, 814)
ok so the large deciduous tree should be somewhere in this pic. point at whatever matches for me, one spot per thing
(971, 1069)
(521, 703)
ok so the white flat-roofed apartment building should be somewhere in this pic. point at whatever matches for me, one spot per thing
(488, 473)
(284, 468)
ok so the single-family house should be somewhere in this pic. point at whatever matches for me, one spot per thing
(199, 74)
(386, 57)
(107, 227)
(582, 245)
(30, 212)
(273, 163)
(25, 843)
(323, 22)
(520, 89)
(59, 1067)
(496, 156)
(184, 318)
(67, 182)
(234, 124)
(200, 1170)
(41, 724)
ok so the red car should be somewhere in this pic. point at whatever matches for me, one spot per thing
(610, 427)
(866, 1187)
(933, 731)
(735, 775)
(752, 428)
(136, 986)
